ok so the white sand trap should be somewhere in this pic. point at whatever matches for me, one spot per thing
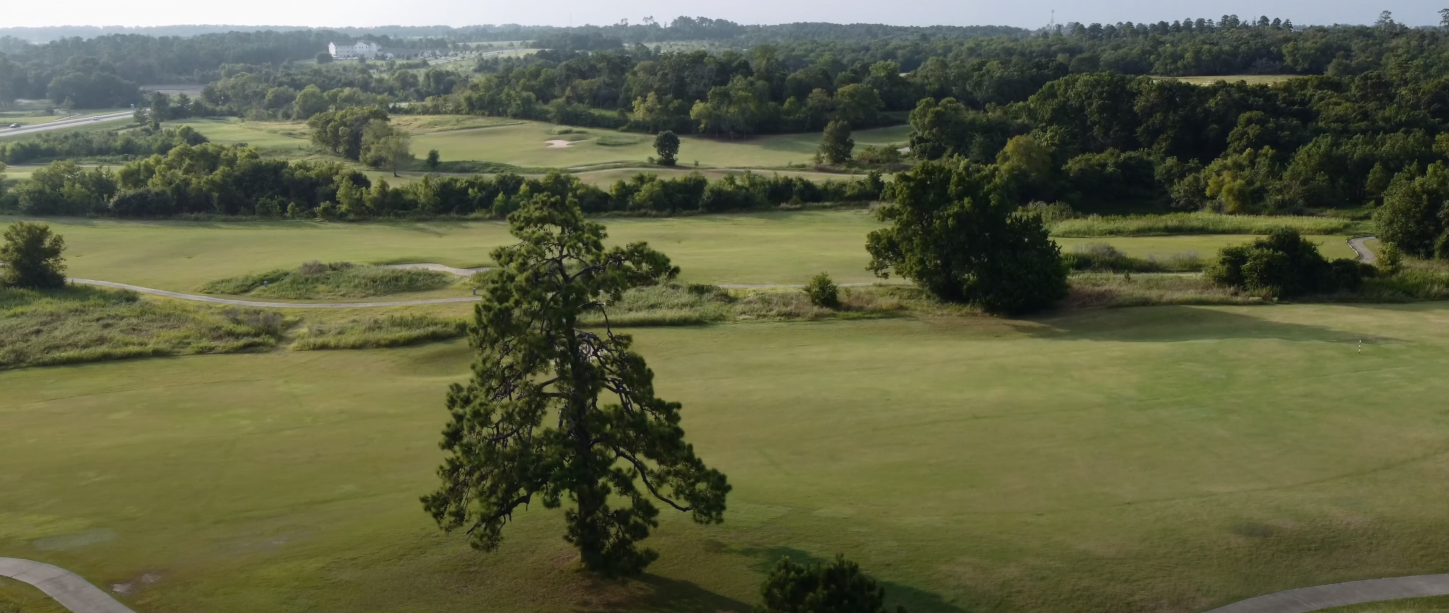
(558, 144)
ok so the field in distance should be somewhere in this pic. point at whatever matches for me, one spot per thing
(1138, 460)
(526, 143)
(783, 247)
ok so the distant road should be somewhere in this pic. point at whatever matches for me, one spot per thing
(60, 124)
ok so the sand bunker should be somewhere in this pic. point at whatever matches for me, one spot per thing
(558, 144)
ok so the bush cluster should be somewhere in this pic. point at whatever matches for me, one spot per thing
(1287, 265)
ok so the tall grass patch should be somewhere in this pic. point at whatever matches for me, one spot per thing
(1104, 290)
(1101, 257)
(80, 324)
(1196, 223)
(315, 280)
(683, 305)
(389, 331)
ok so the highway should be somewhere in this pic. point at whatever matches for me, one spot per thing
(59, 124)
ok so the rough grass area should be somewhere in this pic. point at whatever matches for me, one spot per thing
(81, 324)
(1105, 290)
(682, 305)
(315, 281)
(1158, 460)
(368, 332)
(1102, 257)
(1196, 223)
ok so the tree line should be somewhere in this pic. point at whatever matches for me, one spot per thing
(141, 141)
(216, 180)
(1107, 142)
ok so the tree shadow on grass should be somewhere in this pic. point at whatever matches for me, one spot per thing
(1181, 323)
(914, 599)
(656, 594)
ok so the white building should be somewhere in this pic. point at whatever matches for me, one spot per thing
(346, 52)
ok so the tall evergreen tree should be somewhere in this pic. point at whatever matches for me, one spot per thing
(531, 423)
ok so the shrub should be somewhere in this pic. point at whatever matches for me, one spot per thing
(31, 254)
(838, 587)
(1285, 264)
(823, 292)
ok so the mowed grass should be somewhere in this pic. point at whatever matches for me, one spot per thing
(1139, 460)
(782, 247)
(524, 143)
(279, 138)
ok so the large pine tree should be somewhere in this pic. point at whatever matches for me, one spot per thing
(560, 413)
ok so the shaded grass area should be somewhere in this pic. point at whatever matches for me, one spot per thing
(82, 324)
(1139, 461)
(1198, 223)
(1102, 257)
(315, 280)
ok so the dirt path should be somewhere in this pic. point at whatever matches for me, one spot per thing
(67, 588)
(1360, 246)
(1303, 600)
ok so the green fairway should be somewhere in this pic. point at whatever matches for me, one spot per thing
(279, 138)
(524, 143)
(745, 248)
(1133, 460)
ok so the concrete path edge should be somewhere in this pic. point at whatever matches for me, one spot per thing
(1303, 600)
(67, 588)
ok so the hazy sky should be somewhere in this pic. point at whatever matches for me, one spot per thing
(1024, 13)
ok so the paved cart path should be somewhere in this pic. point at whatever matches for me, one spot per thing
(271, 305)
(1303, 600)
(67, 588)
(1360, 246)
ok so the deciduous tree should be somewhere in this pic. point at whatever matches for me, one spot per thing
(836, 144)
(955, 233)
(666, 144)
(32, 256)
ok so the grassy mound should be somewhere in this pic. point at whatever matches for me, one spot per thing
(389, 331)
(315, 280)
(79, 324)
(1196, 223)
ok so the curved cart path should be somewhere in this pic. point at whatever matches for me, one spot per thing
(271, 305)
(1360, 246)
(67, 588)
(1303, 600)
